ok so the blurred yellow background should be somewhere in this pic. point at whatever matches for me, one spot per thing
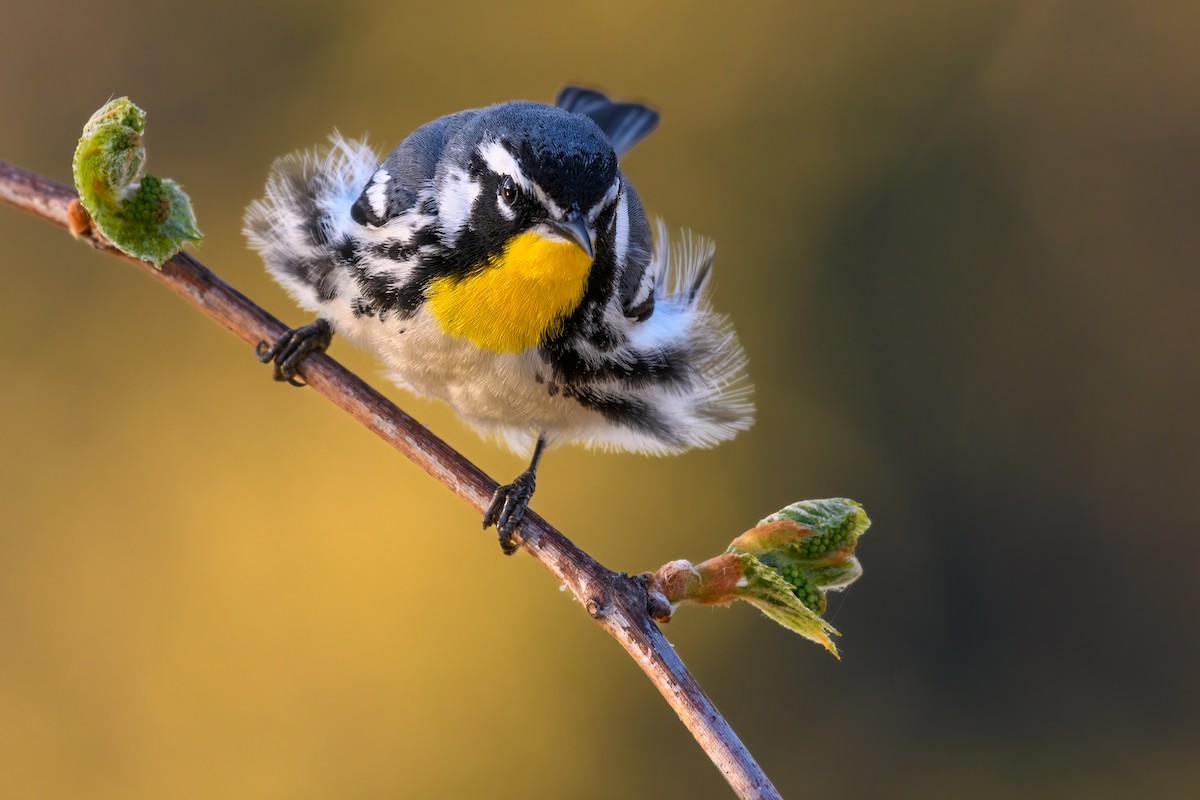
(960, 243)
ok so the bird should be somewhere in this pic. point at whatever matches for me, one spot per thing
(499, 259)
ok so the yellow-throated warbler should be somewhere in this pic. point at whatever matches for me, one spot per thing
(499, 260)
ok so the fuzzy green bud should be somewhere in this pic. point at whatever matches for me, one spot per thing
(151, 218)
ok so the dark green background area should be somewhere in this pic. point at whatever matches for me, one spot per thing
(960, 244)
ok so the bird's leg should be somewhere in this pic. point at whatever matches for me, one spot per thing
(291, 348)
(510, 501)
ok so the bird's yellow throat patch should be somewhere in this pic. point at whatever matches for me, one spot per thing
(516, 301)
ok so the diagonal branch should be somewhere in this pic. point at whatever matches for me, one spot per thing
(617, 602)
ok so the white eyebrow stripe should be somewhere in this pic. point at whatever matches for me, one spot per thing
(501, 162)
(609, 196)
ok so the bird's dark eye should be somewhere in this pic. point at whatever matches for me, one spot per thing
(508, 189)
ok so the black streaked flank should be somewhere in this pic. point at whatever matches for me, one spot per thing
(623, 410)
(380, 295)
(347, 251)
(665, 367)
(314, 272)
(394, 250)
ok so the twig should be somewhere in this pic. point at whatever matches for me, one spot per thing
(617, 602)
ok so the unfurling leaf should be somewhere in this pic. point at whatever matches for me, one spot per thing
(150, 218)
(783, 566)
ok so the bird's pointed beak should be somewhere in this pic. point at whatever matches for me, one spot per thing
(575, 228)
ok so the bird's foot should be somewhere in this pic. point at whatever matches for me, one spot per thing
(290, 349)
(508, 508)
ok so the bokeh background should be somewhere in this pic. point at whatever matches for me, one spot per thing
(960, 243)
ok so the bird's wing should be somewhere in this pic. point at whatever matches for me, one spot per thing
(394, 187)
(625, 124)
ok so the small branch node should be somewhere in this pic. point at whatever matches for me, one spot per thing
(596, 606)
(79, 221)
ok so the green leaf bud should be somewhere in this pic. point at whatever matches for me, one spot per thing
(783, 566)
(149, 219)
